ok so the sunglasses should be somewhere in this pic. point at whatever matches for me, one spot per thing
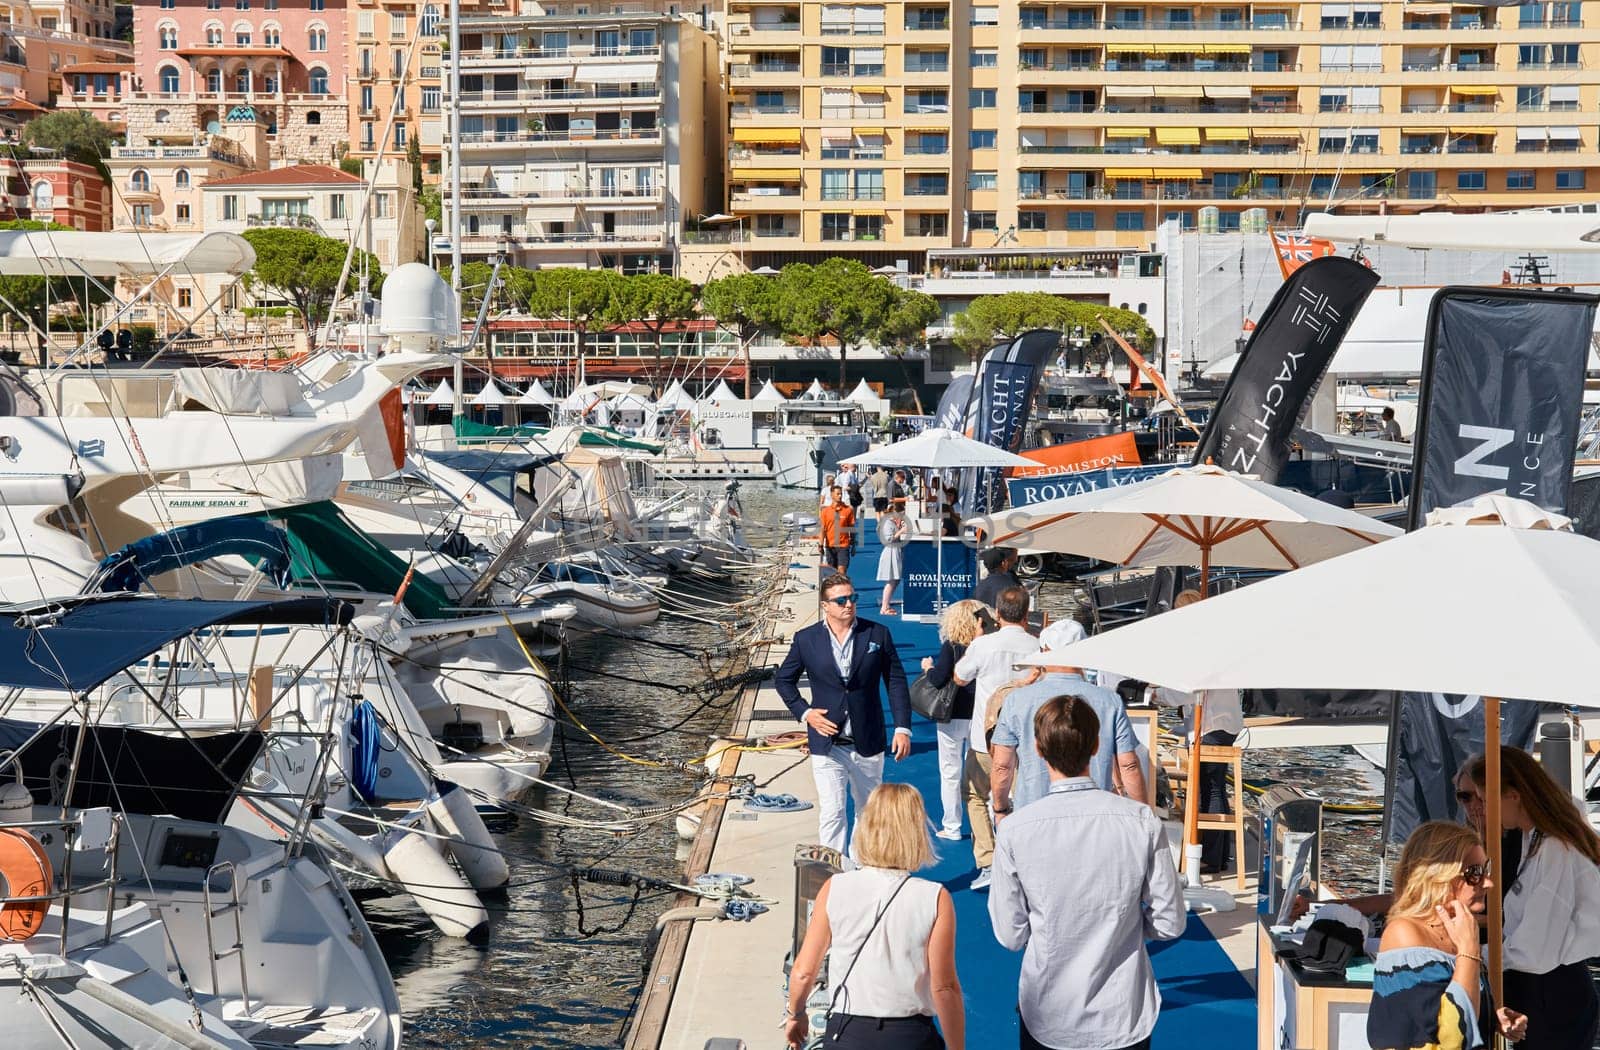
(1474, 874)
(842, 600)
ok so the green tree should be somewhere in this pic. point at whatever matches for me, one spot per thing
(432, 206)
(34, 298)
(414, 158)
(903, 329)
(992, 317)
(654, 300)
(75, 135)
(475, 278)
(745, 304)
(582, 298)
(303, 267)
(837, 299)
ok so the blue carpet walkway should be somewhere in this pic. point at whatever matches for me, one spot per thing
(1206, 1002)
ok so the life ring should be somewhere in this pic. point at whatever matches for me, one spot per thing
(24, 872)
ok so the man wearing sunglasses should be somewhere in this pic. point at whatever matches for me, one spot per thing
(845, 659)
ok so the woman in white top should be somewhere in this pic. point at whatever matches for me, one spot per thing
(890, 940)
(893, 531)
(1552, 908)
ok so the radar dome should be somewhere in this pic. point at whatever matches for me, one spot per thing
(417, 301)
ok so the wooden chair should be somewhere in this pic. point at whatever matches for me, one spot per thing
(1234, 758)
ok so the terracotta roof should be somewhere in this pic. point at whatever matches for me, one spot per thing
(99, 67)
(292, 175)
(19, 103)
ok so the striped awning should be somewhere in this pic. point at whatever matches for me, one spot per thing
(1180, 91)
(1227, 134)
(1178, 136)
(1129, 49)
(1128, 91)
(1474, 131)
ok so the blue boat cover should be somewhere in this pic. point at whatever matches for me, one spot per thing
(76, 644)
(244, 535)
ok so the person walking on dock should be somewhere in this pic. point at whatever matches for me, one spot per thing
(1082, 878)
(990, 662)
(845, 659)
(890, 939)
(838, 521)
(893, 532)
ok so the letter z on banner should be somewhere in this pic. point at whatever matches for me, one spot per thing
(1282, 364)
(1502, 396)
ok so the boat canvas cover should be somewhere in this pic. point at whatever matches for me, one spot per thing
(593, 437)
(244, 535)
(326, 549)
(495, 470)
(191, 777)
(37, 253)
(77, 644)
(237, 391)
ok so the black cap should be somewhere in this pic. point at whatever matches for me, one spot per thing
(1328, 948)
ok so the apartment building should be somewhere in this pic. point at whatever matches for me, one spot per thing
(394, 49)
(96, 88)
(50, 189)
(586, 139)
(888, 130)
(38, 41)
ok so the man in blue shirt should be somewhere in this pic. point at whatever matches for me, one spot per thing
(1020, 775)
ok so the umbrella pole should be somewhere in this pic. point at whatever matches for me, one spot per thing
(1191, 801)
(1492, 843)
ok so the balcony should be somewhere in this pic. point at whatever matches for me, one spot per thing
(480, 196)
(522, 237)
(914, 190)
(291, 222)
(927, 25)
(927, 151)
(834, 193)
(852, 112)
(928, 67)
(497, 138)
(566, 95)
(779, 231)
(849, 235)
(745, 112)
(927, 107)
(745, 70)
(844, 69)
(747, 28)
(491, 56)
(852, 29)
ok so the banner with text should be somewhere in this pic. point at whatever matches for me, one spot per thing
(920, 583)
(1007, 383)
(1272, 382)
(1071, 457)
(952, 411)
(1025, 492)
(1502, 396)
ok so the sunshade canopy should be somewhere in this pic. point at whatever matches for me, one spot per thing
(244, 536)
(769, 393)
(73, 253)
(490, 396)
(938, 448)
(444, 394)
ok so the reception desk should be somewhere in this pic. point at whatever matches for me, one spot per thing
(1298, 1010)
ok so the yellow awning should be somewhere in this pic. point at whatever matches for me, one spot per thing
(1128, 49)
(766, 134)
(1227, 134)
(1227, 49)
(1177, 173)
(1275, 133)
(867, 131)
(1127, 133)
(866, 211)
(1473, 131)
(1422, 131)
(1176, 49)
(765, 174)
(1127, 173)
(1178, 136)
(1180, 91)
(929, 131)
(1475, 89)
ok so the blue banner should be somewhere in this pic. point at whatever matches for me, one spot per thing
(1041, 488)
(1004, 393)
(920, 586)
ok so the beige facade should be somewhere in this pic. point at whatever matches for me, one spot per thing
(895, 128)
(395, 48)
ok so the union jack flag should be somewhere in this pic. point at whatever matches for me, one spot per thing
(1296, 249)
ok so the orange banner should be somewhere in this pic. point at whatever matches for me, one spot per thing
(1113, 450)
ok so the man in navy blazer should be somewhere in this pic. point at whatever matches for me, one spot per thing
(845, 658)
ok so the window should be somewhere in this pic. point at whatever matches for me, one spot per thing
(985, 16)
(43, 195)
(1563, 54)
(241, 37)
(241, 5)
(169, 5)
(1030, 184)
(270, 5)
(835, 226)
(931, 225)
(982, 220)
(1569, 179)
(139, 180)
(981, 180)
(241, 82)
(317, 39)
(835, 185)
(1367, 16)
(836, 61)
(380, 205)
(1226, 221)
(1130, 220)
(1422, 184)
(163, 116)
(1080, 220)
(399, 136)
(1471, 180)
(1030, 220)
(1519, 179)
(314, 117)
(213, 5)
(319, 82)
(430, 100)
(169, 80)
(368, 143)
(641, 41)
(397, 63)
(984, 58)
(430, 20)
(213, 36)
(980, 98)
(336, 206)
(230, 206)
(143, 215)
(397, 23)
(183, 213)
(319, 5)
(169, 38)
(214, 81)
(271, 35)
(180, 179)
(980, 139)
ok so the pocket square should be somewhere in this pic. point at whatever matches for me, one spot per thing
(872, 647)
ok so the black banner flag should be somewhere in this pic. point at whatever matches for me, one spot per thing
(952, 411)
(1007, 382)
(1502, 396)
(1282, 364)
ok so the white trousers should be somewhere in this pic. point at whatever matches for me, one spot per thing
(953, 737)
(840, 771)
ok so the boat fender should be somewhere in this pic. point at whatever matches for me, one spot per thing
(24, 872)
(470, 844)
(417, 864)
(16, 801)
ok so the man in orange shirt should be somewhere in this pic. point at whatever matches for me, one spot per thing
(838, 530)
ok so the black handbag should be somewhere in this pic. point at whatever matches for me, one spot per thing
(934, 702)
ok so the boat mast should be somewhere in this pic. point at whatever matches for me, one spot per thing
(454, 224)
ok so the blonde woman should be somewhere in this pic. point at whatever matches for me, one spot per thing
(1429, 990)
(890, 940)
(893, 532)
(961, 623)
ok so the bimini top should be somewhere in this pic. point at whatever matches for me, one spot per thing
(35, 253)
(244, 535)
(75, 644)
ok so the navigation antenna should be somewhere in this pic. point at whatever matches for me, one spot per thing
(1533, 269)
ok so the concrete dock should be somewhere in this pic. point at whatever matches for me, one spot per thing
(725, 980)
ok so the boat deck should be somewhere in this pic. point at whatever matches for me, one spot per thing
(725, 979)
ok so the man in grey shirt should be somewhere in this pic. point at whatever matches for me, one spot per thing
(1082, 878)
(1019, 775)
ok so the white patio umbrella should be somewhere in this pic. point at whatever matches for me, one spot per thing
(1190, 516)
(536, 394)
(939, 449)
(769, 394)
(490, 396)
(1315, 628)
(443, 395)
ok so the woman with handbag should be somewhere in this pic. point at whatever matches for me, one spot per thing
(893, 531)
(890, 940)
(961, 623)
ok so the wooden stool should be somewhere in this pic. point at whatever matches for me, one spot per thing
(1234, 757)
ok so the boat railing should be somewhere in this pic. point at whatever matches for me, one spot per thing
(71, 829)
